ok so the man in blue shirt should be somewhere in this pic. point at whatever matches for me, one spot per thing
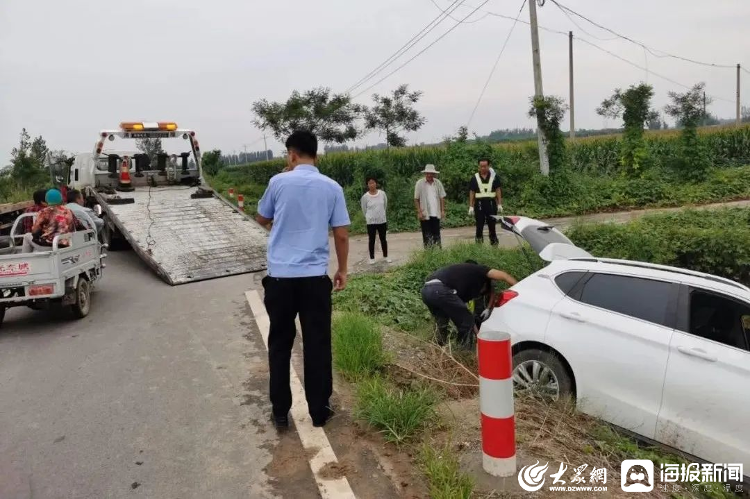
(302, 204)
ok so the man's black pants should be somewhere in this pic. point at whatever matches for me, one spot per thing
(310, 297)
(445, 305)
(483, 211)
(431, 232)
(381, 230)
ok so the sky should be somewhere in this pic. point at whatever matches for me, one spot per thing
(71, 68)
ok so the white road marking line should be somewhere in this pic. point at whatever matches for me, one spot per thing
(313, 439)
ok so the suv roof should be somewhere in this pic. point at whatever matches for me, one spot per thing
(656, 271)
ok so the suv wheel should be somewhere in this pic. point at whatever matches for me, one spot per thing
(540, 374)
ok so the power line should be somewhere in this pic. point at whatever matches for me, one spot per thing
(641, 44)
(458, 20)
(423, 50)
(408, 45)
(494, 66)
(636, 65)
(580, 28)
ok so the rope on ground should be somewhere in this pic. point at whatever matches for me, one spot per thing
(435, 379)
(436, 347)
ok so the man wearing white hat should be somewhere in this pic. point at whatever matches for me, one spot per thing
(429, 201)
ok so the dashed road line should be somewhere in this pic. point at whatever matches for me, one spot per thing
(314, 440)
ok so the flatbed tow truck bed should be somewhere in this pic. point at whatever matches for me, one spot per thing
(187, 239)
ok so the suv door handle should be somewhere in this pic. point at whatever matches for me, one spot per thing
(697, 352)
(573, 316)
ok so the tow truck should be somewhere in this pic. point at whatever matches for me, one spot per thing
(178, 225)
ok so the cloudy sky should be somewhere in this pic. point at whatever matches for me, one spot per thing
(70, 68)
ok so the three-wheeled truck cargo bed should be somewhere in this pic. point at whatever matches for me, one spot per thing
(184, 238)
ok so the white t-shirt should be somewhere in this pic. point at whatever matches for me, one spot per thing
(433, 201)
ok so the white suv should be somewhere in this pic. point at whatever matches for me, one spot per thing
(660, 351)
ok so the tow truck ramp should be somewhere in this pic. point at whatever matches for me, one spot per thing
(187, 239)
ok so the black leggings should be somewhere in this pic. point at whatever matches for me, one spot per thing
(381, 230)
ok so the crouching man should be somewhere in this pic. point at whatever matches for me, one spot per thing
(448, 290)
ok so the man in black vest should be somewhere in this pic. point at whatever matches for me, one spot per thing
(485, 198)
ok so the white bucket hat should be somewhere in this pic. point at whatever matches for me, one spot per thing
(430, 169)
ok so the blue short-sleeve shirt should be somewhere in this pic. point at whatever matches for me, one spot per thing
(303, 204)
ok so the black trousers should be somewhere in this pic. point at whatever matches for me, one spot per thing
(483, 211)
(431, 232)
(381, 229)
(310, 297)
(445, 305)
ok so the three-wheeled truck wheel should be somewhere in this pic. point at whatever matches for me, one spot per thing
(82, 304)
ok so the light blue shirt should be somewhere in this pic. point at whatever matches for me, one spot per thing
(303, 204)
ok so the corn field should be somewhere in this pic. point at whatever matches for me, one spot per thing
(598, 156)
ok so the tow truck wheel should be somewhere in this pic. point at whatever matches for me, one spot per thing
(82, 304)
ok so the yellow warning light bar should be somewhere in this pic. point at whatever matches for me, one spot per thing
(138, 126)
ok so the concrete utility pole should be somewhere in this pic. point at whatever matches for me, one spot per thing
(265, 145)
(739, 117)
(538, 91)
(572, 95)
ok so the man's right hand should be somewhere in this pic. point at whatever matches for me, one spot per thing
(471, 210)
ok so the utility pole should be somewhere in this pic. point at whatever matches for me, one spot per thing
(538, 91)
(572, 95)
(245, 147)
(265, 145)
(739, 117)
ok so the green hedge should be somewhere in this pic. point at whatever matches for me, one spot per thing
(715, 241)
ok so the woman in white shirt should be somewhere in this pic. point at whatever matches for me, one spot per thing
(374, 205)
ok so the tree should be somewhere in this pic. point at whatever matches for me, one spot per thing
(27, 161)
(550, 112)
(745, 114)
(150, 147)
(394, 114)
(212, 162)
(687, 109)
(655, 122)
(332, 117)
(634, 105)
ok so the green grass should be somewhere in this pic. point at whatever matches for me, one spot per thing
(444, 475)
(394, 298)
(357, 346)
(398, 414)
(13, 192)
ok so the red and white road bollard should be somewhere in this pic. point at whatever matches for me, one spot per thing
(241, 202)
(496, 403)
(231, 193)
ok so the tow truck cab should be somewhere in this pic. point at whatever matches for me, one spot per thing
(101, 169)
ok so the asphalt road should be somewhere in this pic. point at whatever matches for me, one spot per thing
(158, 393)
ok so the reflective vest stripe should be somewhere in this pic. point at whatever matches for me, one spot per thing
(485, 190)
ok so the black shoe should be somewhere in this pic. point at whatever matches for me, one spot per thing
(320, 422)
(280, 422)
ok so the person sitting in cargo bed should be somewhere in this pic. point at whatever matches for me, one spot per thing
(39, 205)
(52, 221)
